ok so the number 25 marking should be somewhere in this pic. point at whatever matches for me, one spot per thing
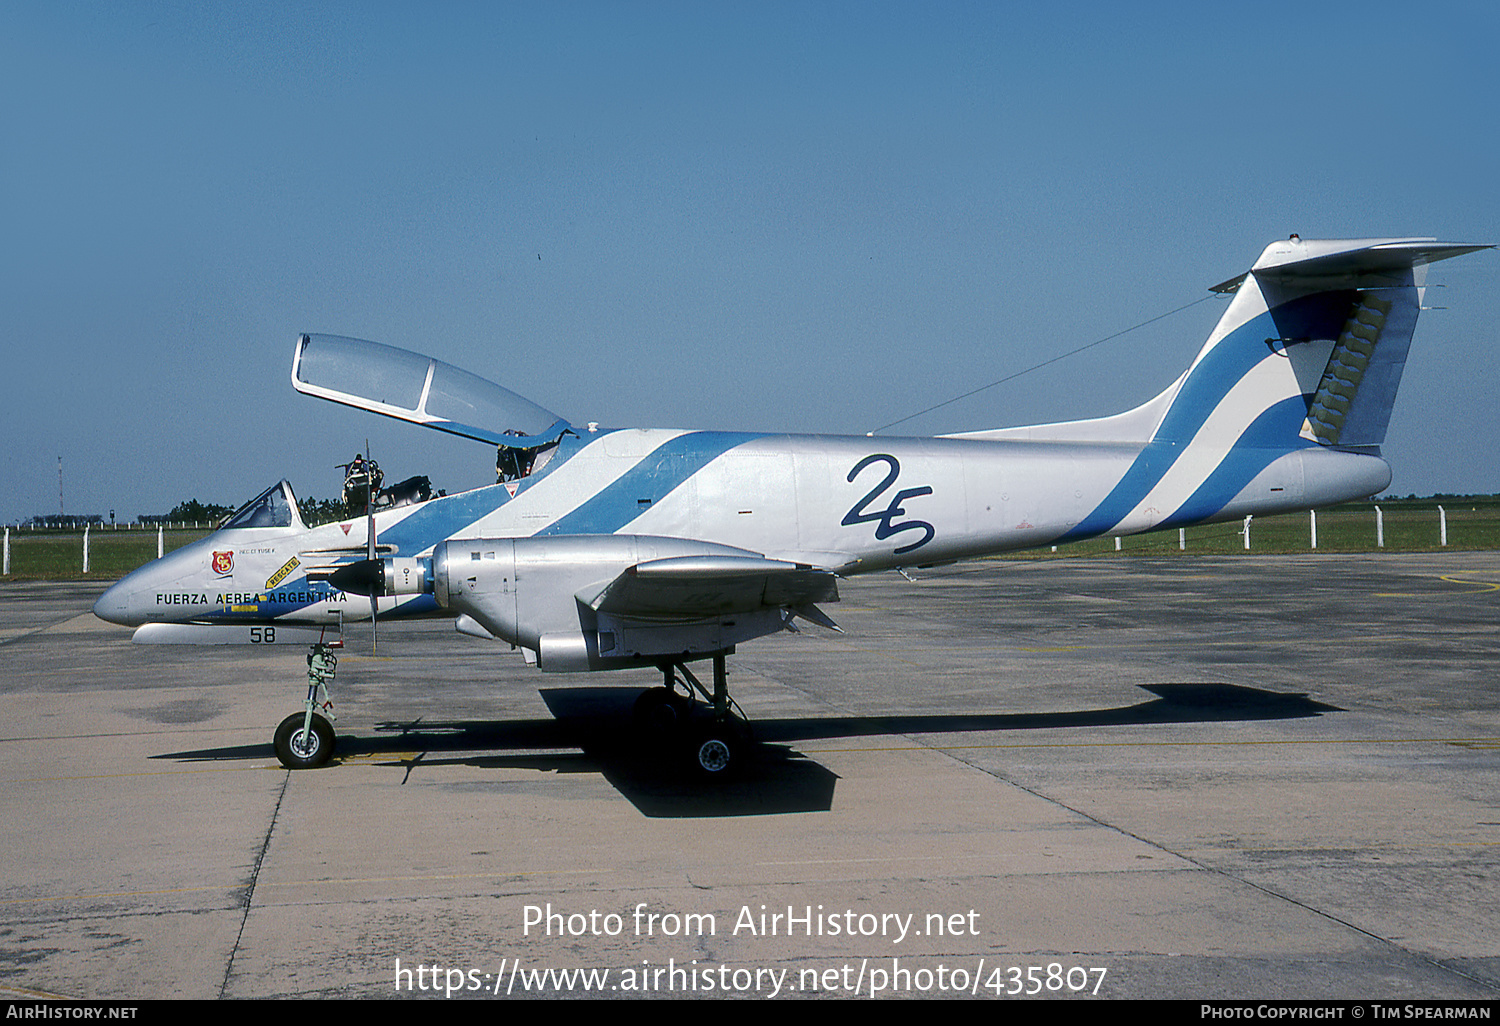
(884, 519)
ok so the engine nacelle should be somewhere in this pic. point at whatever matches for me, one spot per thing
(407, 576)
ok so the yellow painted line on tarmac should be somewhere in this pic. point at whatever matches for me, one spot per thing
(1477, 743)
(876, 652)
(1199, 851)
(22, 992)
(908, 662)
(415, 878)
(421, 877)
(1487, 586)
(376, 758)
(120, 733)
(120, 894)
(949, 857)
(1484, 588)
(142, 773)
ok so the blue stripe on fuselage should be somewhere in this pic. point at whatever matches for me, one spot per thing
(439, 519)
(1264, 442)
(653, 478)
(1316, 316)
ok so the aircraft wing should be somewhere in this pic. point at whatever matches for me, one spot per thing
(420, 390)
(694, 587)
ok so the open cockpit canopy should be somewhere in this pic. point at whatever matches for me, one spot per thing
(416, 388)
(274, 507)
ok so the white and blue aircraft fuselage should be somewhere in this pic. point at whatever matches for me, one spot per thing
(603, 549)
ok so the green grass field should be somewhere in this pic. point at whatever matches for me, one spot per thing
(1411, 525)
(58, 555)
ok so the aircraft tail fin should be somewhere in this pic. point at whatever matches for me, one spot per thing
(1311, 348)
(1287, 403)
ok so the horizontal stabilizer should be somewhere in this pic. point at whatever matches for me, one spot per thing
(1321, 259)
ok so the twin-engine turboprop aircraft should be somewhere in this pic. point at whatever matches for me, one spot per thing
(602, 549)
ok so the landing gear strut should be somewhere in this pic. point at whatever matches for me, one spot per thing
(305, 740)
(718, 743)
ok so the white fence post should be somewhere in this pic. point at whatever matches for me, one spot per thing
(6, 570)
(1313, 519)
(1443, 526)
(1182, 539)
(1379, 528)
(158, 541)
(1246, 532)
(1117, 543)
(85, 548)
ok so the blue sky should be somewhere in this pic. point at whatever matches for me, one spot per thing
(800, 217)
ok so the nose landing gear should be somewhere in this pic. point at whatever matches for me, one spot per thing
(306, 740)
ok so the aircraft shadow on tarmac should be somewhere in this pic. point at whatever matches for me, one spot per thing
(595, 722)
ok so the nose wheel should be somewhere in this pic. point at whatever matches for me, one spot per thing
(306, 740)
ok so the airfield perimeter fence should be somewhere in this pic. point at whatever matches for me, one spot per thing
(1402, 525)
(54, 553)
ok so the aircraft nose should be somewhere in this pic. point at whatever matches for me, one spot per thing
(114, 604)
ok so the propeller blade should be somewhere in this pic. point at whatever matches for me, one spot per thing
(370, 519)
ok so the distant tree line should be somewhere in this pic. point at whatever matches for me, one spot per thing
(64, 520)
(191, 511)
(322, 511)
(1439, 497)
(313, 511)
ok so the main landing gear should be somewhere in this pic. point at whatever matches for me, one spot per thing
(716, 741)
(305, 740)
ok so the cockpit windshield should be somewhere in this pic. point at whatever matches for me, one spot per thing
(274, 507)
(421, 390)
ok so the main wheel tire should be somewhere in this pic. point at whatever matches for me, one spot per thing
(304, 749)
(660, 712)
(718, 752)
